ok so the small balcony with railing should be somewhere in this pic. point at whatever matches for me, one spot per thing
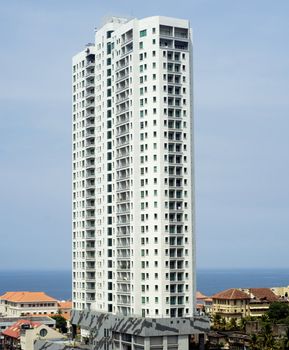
(123, 219)
(90, 266)
(122, 74)
(127, 37)
(123, 231)
(122, 174)
(90, 246)
(90, 256)
(90, 276)
(90, 194)
(89, 83)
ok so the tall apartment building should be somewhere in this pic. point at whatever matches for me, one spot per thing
(133, 182)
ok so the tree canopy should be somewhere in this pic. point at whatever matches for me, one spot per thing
(278, 311)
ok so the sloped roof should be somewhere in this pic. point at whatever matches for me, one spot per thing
(263, 294)
(67, 304)
(14, 330)
(231, 294)
(26, 297)
(66, 315)
(200, 295)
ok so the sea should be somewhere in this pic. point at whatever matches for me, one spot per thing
(209, 281)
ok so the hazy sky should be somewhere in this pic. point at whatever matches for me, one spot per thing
(241, 87)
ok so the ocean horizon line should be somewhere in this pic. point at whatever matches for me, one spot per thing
(214, 268)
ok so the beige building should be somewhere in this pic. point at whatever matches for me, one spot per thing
(42, 332)
(282, 292)
(260, 301)
(15, 304)
(231, 303)
(204, 304)
(238, 303)
(23, 333)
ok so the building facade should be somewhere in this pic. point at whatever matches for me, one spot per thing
(16, 304)
(133, 183)
(231, 304)
(242, 302)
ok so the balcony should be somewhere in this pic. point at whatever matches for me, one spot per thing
(122, 86)
(90, 64)
(90, 74)
(90, 145)
(181, 45)
(89, 135)
(181, 33)
(166, 43)
(90, 258)
(89, 84)
(90, 165)
(90, 195)
(90, 236)
(90, 105)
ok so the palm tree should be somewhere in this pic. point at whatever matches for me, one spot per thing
(254, 342)
(217, 321)
(232, 324)
(285, 340)
(242, 324)
(267, 339)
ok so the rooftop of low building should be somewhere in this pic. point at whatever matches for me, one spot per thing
(27, 297)
(231, 294)
(14, 331)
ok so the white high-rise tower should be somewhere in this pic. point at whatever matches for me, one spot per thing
(133, 183)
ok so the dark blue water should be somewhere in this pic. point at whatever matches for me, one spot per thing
(54, 283)
(209, 281)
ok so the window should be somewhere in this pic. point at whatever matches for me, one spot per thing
(143, 33)
(43, 332)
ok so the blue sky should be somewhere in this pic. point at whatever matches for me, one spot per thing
(241, 88)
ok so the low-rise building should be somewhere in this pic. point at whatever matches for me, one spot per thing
(59, 344)
(227, 340)
(231, 303)
(6, 322)
(16, 304)
(242, 302)
(282, 292)
(260, 301)
(204, 303)
(64, 308)
(23, 333)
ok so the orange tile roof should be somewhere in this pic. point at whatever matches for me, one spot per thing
(67, 304)
(26, 297)
(14, 330)
(67, 316)
(231, 294)
(208, 300)
(200, 295)
(263, 294)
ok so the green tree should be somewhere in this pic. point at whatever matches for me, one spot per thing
(61, 323)
(254, 342)
(217, 321)
(242, 324)
(285, 341)
(232, 324)
(266, 338)
(223, 323)
(278, 311)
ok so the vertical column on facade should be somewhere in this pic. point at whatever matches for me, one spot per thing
(123, 175)
(90, 178)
